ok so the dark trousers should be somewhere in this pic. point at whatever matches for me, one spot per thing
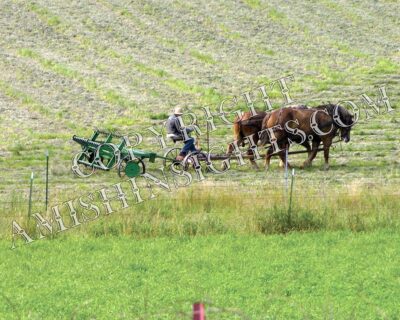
(189, 146)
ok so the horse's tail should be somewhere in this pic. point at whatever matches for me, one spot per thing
(264, 139)
(237, 130)
(237, 134)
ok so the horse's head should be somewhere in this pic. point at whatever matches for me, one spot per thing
(345, 134)
(345, 121)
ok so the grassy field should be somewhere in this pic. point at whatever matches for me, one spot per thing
(300, 276)
(230, 240)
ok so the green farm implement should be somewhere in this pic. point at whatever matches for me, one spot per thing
(101, 152)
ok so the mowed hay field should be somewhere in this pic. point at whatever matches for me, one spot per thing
(230, 240)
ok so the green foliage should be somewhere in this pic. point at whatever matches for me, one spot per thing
(44, 14)
(115, 98)
(255, 4)
(279, 220)
(233, 232)
(146, 69)
(293, 276)
(108, 95)
(276, 15)
(202, 56)
(27, 53)
(208, 95)
(23, 98)
(267, 52)
(201, 211)
(228, 32)
(16, 149)
(54, 21)
(385, 66)
(159, 116)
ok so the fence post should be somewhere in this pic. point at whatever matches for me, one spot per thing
(47, 178)
(198, 311)
(290, 200)
(30, 196)
(208, 139)
(286, 168)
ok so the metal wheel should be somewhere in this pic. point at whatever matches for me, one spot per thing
(108, 155)
(218, 164)
(80, 169)
(189, 160)
(171, 155)
(131, 168)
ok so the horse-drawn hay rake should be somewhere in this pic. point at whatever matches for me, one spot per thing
(101, 152)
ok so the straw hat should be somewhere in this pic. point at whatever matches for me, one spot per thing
(178, 111)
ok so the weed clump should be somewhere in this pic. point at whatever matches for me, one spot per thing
(280, 220)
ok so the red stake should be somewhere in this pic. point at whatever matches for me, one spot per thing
(198, 311)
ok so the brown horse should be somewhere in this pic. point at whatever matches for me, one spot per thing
(245, 126)
(249, 125)
(319, 124)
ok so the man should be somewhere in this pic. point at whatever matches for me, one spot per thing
(175, 132)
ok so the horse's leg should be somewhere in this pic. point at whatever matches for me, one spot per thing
(314, 150)
(327, 145)
(251, 154)
(312, 154)
(230, 147)
(282, 144)
(306, 145)
(268, 156)
(282, 156)
(252, 161)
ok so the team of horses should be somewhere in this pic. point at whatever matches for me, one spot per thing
(281, 128)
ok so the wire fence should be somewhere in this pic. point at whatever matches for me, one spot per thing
(15, 188)
(18, 191)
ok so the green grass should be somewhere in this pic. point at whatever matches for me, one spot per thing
(229, 240)
(17, 148)
(142, 67)
(44, 14)
(297, 276)
(385, 66)
(206, 58)
(91, 84)
(255, 4)
(267, 52)
(23, 98)
(208, 95)
(228, 32)
(275, 15)
(160, 116)
(198, 210)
